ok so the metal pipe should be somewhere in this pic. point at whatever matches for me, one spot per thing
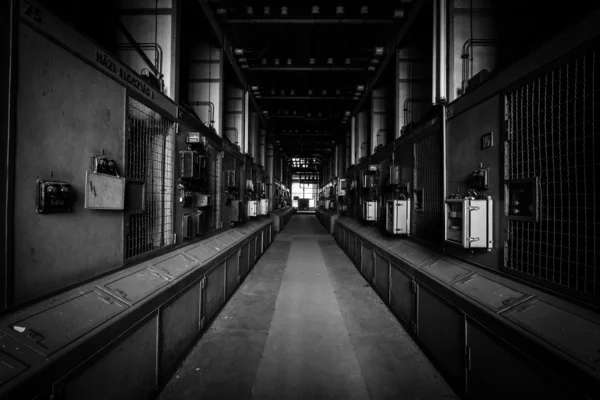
(158, 57)
(377, 135)
(412, 100)
(466, 52)
(237, 135)
(211, 110)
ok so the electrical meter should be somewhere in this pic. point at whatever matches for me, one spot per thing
(251, 208)
(202, 200)
(370, 211)
(469, 222)
(398, 217)
(263, 207)
(190, 164)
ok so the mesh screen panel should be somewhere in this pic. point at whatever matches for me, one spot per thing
(150, 148)
(553, 136)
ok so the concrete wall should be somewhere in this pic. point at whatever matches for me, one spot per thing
(66, 113)
(205, 84)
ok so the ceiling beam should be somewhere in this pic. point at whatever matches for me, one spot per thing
(312, 21)
(305, 98)
(391, 46)
(222, 41)
(307, 69)
(305, 118)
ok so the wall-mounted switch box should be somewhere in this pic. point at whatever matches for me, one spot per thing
(398, 217)
(54, 197)
(187, 226)
(191, 164)
(185, 197)
(370, 211)
(104, 192)
(469, 222)
(203, 200)
(252, 208)
(263, 207)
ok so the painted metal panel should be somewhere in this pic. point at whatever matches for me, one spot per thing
(357, 253)
(9, 367)
(577, 336)
(175, 265)
(126, 371)
(413, 254)
(244, 260)
(401, 294)
(382, 276)
(351, 245)
(227, 239)
(215, 245)
(491, 294)
(495, 372)
(252, 252)
(446, 271)
(367, 263)
(201, 253)
(215, 290)
(232, 273)
(104, 192)
(137, 285)
(52, 329)
(441, 330)
(179, 327)
(235, 234)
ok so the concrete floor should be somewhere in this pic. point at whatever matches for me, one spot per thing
(306, 325)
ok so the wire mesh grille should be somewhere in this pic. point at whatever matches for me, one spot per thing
(150, 160)
(553, 135)
(214, 183)
(427, 222)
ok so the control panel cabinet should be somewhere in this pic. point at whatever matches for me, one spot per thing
(398, 217)
(252, 208)
(370, 211)
(469, 223)
(191, 164)
(263, 207)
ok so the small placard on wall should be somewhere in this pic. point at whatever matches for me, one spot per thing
(104, 192)
(487, 140)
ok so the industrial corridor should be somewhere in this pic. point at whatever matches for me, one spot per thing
(306, 325)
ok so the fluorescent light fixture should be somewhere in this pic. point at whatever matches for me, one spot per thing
(284, 11)
(339, 10)
(378, 51)
(398, 13)
(238, 52)
(364, 10)
(360, 88)
(267, 11)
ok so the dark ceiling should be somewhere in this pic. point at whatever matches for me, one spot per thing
(276, 61)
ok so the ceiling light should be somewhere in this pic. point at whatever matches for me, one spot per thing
(289, 61)
(378, 51)
(311, 61)
(276, 61)
(347, 61)
(324, 92)
(310, 91)
(330, 61)
(315, 10)
(258, 96)
(249, 10)
(292, 92)
(254, 88)
(339, 10)
(308, 115)
(347, 113)
(284, 11)
(272, 91)
(375, 61)
(282, 92)
(364, 10)
(221, 11)
(337, 91)
(244, 66)
(264, 61)
(398, 13)
(355, 98)
(242, 60)
(267, 10)
(238, 52)
(360, 88)
(371, 68)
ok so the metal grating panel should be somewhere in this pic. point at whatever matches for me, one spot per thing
(553, 136)
(427, 221)
(150, 148)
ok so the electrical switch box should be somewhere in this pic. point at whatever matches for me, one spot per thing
(370, 211)
(394, 175)
(54, 196)
(263, 207)
(202, 200)
(251, 208)
(469, 222)
(185, 197)
(522, 199)
(370, 181)
(235, 211)
(193, 138)
(249, 185)
(190, 164)
(341, 187)
(104, 192)
(398, 217)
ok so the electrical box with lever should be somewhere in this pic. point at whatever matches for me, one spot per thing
(54, 197)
